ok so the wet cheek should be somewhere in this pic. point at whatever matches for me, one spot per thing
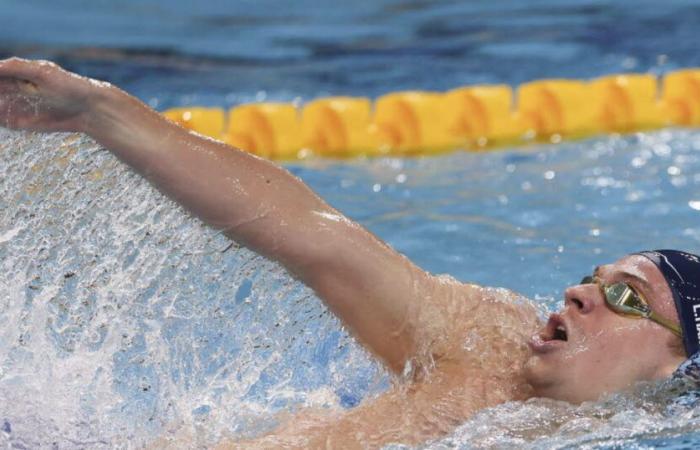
(595, 351)
(614, 345)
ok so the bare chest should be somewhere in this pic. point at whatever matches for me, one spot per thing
(421, 412)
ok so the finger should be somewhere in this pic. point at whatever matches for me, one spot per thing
(7, 86)
(12, 115)
(28, 87)
(11, 86)
(22, 69)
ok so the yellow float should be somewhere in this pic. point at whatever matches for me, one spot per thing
(469, 117)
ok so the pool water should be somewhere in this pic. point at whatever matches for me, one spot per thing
(123, 320)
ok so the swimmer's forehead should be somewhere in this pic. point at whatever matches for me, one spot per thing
(632, 267)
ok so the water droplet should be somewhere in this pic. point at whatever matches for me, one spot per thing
(638, 162)
(661, 149)
(629, 63)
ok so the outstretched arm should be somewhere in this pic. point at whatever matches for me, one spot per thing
(380, 295)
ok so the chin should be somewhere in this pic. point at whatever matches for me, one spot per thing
(537, 375)
(565, 392)
(549, 382)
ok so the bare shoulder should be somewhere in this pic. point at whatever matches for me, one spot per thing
(487, 328)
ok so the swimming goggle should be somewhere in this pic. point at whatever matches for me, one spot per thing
(623, 299)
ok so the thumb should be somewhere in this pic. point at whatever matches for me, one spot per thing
(22, 69)
(28, 87)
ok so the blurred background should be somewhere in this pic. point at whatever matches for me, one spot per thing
(225, 52)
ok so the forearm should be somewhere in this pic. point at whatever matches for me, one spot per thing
(252, 200)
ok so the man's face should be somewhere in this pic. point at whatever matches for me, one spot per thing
(587, 350)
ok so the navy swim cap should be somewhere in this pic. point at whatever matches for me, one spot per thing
(682, 273)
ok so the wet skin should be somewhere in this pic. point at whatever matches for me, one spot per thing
(454, 348)
(604, 351)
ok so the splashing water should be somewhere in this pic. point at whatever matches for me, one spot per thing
(123, 321)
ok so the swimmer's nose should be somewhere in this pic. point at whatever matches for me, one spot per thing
(583, 298)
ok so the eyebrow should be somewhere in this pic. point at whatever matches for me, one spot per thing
(644, 284)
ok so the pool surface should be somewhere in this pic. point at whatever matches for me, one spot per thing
(123, 320)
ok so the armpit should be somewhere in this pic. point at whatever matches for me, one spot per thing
(486, 328)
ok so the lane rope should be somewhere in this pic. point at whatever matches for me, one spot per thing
(469, 118)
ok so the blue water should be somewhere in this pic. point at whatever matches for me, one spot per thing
(222, 52)
(161, 328)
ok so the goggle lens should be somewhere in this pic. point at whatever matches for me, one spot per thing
(621, 298)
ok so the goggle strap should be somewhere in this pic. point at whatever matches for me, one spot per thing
(676, 329)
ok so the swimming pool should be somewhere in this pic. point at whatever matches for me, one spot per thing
(122, 319)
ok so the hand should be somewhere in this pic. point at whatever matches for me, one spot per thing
(41, 96)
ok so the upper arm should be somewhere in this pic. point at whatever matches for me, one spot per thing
(394, 308)
(397, 310)
(403, 313)
(378, 293)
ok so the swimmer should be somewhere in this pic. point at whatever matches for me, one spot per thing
(455, 348)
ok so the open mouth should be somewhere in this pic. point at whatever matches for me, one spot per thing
(555, 335)
(555, 330)
(559, 334)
